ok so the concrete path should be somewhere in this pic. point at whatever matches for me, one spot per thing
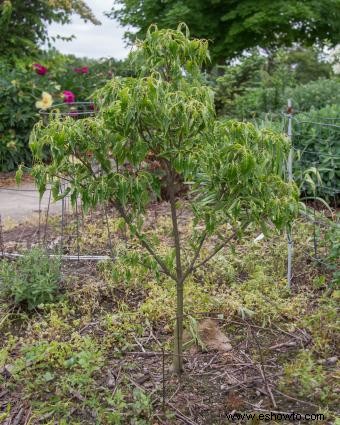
(21, 202)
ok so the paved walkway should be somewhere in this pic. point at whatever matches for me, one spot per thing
(21, 202)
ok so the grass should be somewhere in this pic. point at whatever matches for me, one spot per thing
(72, 362)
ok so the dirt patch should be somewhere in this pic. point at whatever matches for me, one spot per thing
(8, 179)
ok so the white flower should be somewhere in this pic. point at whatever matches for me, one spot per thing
(45, 102)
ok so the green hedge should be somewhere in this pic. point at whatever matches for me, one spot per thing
(315, 94)
(255, 102)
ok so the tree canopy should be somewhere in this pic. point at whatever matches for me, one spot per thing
(23, 23)
(233, 26)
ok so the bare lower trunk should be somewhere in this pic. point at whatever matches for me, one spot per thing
(178, 344)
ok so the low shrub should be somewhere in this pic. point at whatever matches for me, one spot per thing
(333, 239)
(316, 136)
(32, 280)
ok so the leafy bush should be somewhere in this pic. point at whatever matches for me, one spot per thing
(273, 94)
(32, 280)
(316, 135)
(315, 94)
(253, 86)
(21, 86)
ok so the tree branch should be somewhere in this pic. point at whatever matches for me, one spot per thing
(145, 243)
(196, 255)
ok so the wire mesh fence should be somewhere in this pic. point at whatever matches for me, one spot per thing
(314, 164)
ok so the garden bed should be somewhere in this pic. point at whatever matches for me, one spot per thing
(101, 353)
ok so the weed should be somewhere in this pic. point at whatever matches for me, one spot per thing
(306, 376)
(32, 280)
(323, 324)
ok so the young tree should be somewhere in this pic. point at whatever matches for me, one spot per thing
(232, 170)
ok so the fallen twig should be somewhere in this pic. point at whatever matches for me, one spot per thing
(283, 344)
(139, 344)
(296, 399)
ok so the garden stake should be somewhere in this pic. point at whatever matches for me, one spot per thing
(290, 180)
(39, 226)
(1, 238)
(315, 242)
(163, 379)
(46, 220)
(108, 230)
(62, 226)
(77, 216)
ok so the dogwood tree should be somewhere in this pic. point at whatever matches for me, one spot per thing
(232, 170)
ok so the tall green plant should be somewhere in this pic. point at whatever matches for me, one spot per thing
(32, 280)
(232, 170)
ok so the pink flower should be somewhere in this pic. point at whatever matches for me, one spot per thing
(40, 69)
(82, 70)
(69, 97)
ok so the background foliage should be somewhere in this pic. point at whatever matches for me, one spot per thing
(21, 87)
(259, 83)
(234, 26)
(23, 23)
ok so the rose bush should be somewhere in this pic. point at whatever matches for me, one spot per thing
(27, 87)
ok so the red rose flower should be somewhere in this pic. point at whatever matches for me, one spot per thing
(40, 69)
(69, 97)
(82, 70)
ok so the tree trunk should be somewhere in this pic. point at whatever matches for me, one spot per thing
(178, 343)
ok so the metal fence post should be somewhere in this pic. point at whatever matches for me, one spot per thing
(290, 180)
